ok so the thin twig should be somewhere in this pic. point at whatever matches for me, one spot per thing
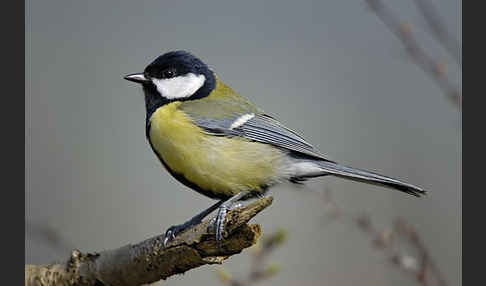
(424, 268)
(430, 66)
(404, 228)
(439, 30)
(259, 269)
(48, 234)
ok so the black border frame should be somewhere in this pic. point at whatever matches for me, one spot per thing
(12, 118)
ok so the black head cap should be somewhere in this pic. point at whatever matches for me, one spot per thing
(177, 63)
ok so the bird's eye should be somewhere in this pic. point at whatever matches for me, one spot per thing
(169, 73)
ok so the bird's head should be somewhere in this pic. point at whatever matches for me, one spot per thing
(175, 76)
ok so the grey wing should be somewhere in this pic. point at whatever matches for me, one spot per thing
(261, 128)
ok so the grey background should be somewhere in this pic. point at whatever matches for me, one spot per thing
(328, 69)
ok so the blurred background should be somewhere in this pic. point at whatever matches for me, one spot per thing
(330, 70)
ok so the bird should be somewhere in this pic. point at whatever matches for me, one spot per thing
(218, 143)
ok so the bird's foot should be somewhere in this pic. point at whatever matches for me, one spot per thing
(222, 211)
(173, 231)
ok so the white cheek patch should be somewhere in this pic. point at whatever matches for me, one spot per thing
(179, 87)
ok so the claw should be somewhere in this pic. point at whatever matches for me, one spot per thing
(166, 240)
(171, 233)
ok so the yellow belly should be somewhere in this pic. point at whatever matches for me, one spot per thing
(217, 164)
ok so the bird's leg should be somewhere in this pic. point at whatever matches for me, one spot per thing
(227, 205)
(171, 233)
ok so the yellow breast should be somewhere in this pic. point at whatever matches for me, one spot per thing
(217, 164)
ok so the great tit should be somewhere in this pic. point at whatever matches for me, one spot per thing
(221, 145)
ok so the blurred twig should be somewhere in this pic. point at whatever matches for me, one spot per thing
(48, 234)
(259, 270)
(430, 66)
(408, 231)
(149, 261)
(421, 266)
(439, 30)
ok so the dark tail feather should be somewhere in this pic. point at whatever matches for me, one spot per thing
(369, 178)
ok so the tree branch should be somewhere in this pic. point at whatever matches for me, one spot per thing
(148, 261)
